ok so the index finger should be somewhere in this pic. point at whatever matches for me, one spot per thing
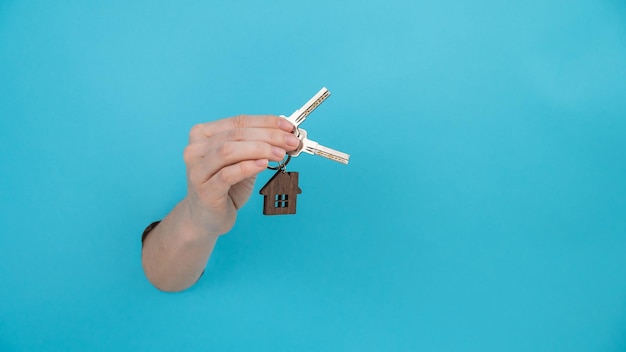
(210, 129)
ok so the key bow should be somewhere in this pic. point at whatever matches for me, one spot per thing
(307, 145)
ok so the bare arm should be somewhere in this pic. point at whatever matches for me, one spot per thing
(222, 159)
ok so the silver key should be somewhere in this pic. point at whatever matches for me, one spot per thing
(312, 147)
(301, 114)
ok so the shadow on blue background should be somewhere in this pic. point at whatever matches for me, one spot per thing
(483, 208)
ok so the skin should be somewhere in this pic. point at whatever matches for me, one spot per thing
(222, 159)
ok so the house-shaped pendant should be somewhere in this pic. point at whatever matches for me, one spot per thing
(280, 193)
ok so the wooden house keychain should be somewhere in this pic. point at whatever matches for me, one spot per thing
(281, 191)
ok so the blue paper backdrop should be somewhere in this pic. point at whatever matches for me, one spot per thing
(484, 207)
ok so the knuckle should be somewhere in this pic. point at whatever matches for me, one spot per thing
(225, 150)
(192, 152)
(236, 134)
(224, 177)
(188, 154)
(244, 168)
(239, 121)
(196, 130)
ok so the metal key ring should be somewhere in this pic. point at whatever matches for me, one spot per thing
(281, 164)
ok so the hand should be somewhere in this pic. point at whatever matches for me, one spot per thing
(223, 158)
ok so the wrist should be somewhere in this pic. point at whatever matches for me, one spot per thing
(195, 221)
(192, 223)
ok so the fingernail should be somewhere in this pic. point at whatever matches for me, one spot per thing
(292, 140)
(278, 152)
(285, 125)
(261, 162)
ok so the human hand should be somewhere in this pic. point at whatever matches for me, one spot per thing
(223, 158)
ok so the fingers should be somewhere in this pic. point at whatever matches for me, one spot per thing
(223, 153)
(222, 142)
(210, 129)
(273, 137)
(203, 146)
(231, 175)
(231, 153)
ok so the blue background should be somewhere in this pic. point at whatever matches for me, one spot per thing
(483, 208)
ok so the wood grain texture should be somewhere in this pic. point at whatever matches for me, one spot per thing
(280, 193)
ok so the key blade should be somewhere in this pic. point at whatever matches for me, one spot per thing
(312, 147)
(301, 114)
(328, 153)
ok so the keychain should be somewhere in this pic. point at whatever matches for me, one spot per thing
(281, 191)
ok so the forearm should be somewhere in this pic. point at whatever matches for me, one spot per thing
(176, 251)
(222, 160)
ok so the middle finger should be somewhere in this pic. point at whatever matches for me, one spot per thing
(272, 136)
